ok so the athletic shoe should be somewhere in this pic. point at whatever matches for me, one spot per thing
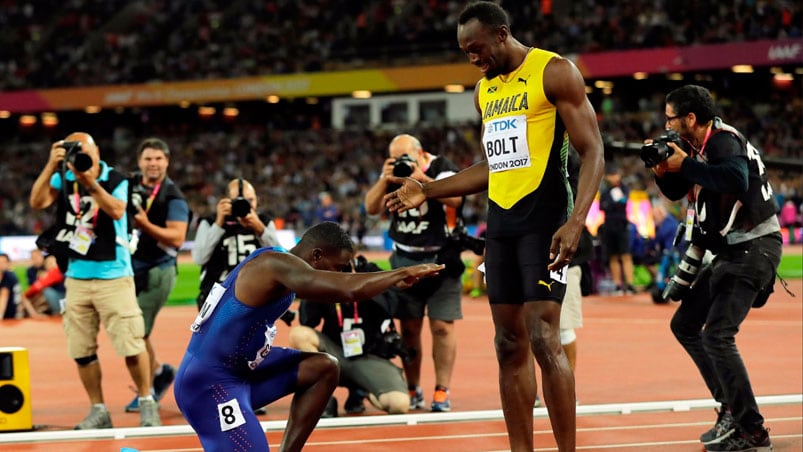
(97, 418)
(724, 426)
(741, 441)
(331, 408)
(149, 413)
(440, 401)
(133, 406)
(417, 399)
(162, 381)
(354, 403)
(537, 401)
(261, 411)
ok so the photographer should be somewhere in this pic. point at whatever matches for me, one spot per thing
(419, 235)
(236, 230)
(161, 215)
(92, 232)
(362, 337)
(733, 214)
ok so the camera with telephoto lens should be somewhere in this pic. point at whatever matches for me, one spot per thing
(390, 345)
(403, 166)
(679, 285)
(659, 150)
(466, 242)
(80, 161)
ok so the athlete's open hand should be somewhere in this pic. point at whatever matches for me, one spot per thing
(409, 196)
(416, 272)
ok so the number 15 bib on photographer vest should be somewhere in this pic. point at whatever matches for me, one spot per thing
(526, 145)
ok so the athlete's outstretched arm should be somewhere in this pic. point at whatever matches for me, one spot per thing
(272, 274)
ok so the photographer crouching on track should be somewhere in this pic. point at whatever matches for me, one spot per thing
(732, 213)
(363, 338)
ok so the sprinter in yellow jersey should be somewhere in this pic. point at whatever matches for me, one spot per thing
(533, 103)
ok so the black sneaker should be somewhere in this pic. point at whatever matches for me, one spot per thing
(354, 403)
(741, 441)
(331, 408)
(162, 381)
(724, 426)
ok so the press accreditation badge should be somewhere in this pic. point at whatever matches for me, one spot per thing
(230, 415)
(352, 341)
(81, 240)
(689, 224)
(505, 143)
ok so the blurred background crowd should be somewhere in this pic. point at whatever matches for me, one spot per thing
(290, 151)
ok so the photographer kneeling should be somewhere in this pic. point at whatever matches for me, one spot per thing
(363, 338)
(732, 213)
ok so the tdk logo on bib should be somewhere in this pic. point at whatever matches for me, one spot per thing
(502, 125)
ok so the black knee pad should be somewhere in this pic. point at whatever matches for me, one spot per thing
(86, 360)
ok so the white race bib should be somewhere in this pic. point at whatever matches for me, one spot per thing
(505, 143)
(230, 415)
(262, 353)
(560, 275)
(208, 307)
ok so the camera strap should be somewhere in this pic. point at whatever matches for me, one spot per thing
(79, 211)
(340, 321)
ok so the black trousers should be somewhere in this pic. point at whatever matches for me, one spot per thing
(708, 319)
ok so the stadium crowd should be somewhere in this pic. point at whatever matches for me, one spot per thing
(49, 43)
(292, 151)
(295, 165)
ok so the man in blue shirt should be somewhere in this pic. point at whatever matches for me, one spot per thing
(160, 215)
(93, 232)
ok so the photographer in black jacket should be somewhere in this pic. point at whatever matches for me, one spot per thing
(363, 338)
(735, 218)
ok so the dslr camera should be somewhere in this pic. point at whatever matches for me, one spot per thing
(465, 241)
(404, 166)
(390, 345)
(240, 207)
(659, 150)
(75, 155)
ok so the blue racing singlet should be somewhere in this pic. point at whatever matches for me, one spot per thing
(231, 335)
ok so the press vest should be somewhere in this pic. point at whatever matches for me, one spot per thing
(148, 249)
(722, 212)
(86, 214)
(424, 226)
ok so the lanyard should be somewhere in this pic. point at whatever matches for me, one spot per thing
(150, 199)
(78, 213)
(340, 314)
(692, 192)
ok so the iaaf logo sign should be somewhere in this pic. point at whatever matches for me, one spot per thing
(784, 52)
